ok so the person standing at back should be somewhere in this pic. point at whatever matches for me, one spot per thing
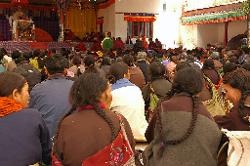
(51, 97)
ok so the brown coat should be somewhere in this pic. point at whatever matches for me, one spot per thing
(84, 133)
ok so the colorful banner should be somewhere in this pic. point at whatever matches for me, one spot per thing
(214, 18)
(201, 4)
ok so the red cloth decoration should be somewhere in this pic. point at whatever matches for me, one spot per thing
(106, 4)
(139, 18)
(20, 2)
(42, 36)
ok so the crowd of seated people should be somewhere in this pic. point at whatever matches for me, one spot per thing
(83, 107)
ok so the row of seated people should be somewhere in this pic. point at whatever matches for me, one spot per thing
(95, 115)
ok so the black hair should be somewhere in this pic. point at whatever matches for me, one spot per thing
(246, 66)
(9, 81)
(208, 64)
(1, 54)
(129, 60)
(76, 60)
(240, 79)
(89, 61)
(183, 82)
(27, 55)
(117, 71)
(56, 64)
(106, 61)
(36, 53)
(182, 65)
(157, 70)
(16, 56)
(229, 67)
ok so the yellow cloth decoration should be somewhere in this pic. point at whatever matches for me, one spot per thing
(81, 21)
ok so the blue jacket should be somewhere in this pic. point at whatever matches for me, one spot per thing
(24, 139)
(51, 98)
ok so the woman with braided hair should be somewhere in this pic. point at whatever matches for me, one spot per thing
(236, 87)
(183, 131)
(90, 134)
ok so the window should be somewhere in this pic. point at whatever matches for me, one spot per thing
(137, 29)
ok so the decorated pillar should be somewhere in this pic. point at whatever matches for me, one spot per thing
(62, 6)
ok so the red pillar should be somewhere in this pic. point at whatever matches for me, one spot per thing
(226, 34)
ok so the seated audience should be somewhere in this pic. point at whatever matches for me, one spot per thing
(127, 99)
(24, 138)
(90, 134)
(182, 132)
(236, 88)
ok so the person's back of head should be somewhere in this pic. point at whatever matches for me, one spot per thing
(246, 66)
(9, 81)
(89, 61)
(106, 61)
(229, 67)
(88, 89)
(239, 79)
(2, 53)
(189, 80)
(36, 53)
(14, 86)
(157, 70)
(208, 64)
(76, 60)
(17, 56)
(27, 55)
(129, 60)
(56, 64)
(118, 71)
(237, 88)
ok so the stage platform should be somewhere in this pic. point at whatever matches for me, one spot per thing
(26, 46)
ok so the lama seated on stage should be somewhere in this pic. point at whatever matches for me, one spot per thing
(25, 30)
(22, 26)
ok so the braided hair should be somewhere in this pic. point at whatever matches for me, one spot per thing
(183, 83)
(87, 90)
(240, 79)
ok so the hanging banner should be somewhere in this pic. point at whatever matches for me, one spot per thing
(139, 17)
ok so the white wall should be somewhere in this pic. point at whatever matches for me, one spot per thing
(132, 6)
(165, 28)
(235, 28)
(189, 36)
(137, 6)
(207, 33)
(114, 17)
(109, 18)
(201, 35)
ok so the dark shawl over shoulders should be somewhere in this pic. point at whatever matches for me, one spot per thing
(200, 148)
